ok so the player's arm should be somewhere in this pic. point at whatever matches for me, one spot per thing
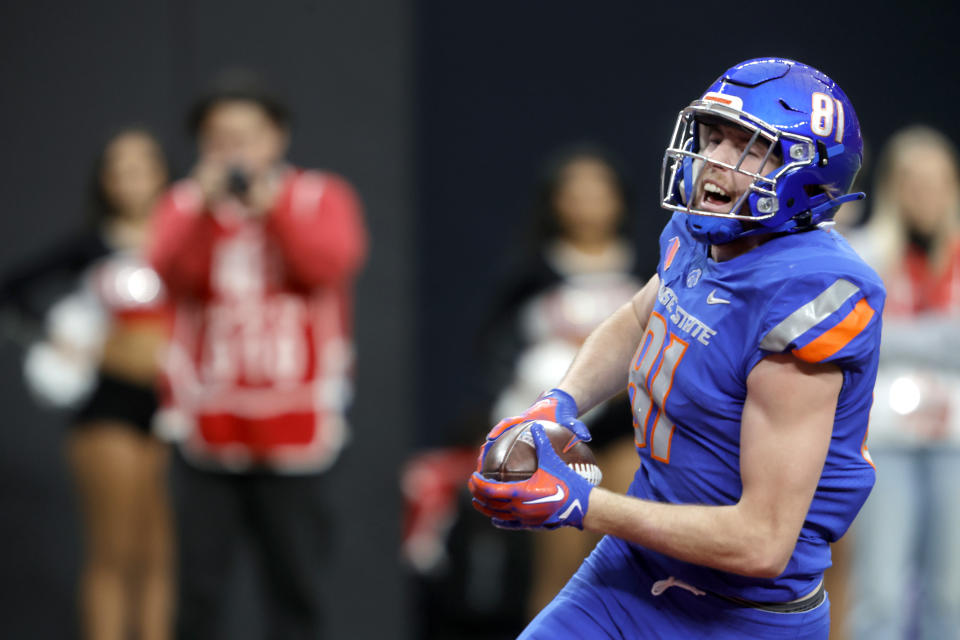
(600, 369)
(785, 433)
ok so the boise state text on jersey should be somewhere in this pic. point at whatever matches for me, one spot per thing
(805, 293)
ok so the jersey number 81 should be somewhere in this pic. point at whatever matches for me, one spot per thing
(666, 350)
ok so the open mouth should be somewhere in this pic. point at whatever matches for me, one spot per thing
(715, 195)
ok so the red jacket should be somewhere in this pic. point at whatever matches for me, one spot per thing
(917, 287)
(258, 371)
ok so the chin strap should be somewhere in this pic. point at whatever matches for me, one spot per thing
(805, 219)
(832, 203)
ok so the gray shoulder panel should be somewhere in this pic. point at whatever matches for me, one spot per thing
(808, 316)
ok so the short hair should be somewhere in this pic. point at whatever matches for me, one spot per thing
(242, 85)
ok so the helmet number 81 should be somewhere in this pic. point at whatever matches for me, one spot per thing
(826, 109)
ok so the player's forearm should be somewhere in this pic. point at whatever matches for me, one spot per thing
(600, 369)
(722, 537)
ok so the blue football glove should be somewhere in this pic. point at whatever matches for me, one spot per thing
(553, 405)
(554, 496)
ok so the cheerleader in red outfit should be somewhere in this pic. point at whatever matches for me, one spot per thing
(99, 353)
(906, 535)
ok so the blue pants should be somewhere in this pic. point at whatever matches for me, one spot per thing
(610, 597)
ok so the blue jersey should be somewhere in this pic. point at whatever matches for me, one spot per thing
(805, 293)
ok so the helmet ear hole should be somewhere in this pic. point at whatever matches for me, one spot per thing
(817, 189)
(822, 154)
(790, 202)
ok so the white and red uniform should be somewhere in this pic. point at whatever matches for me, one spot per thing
(116, 290)
(259, 365)
(917, 396)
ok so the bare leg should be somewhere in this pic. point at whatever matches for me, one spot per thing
(558, 554)
(619, 463)
(104, 458)
(837, 581)
(155, 546)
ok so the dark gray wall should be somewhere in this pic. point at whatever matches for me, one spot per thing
(73, 71)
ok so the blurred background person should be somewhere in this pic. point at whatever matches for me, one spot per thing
(260, 258)
(906, 552)
(581, 267)
(576, 265)
(98, 352)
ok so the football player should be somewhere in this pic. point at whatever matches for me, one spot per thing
(750, 359)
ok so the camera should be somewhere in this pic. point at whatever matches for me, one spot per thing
(238, 183)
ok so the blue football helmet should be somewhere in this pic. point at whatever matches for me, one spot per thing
(802, 117)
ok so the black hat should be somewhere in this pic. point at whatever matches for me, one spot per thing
(237, 84)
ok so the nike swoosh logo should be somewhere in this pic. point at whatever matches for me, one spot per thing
(557, 497)
(573, 505)
(713, 299)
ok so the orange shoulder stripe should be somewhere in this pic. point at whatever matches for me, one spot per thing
(671, 252)
(837, 338)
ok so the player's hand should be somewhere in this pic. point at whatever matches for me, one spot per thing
(554, 496)
(553, 405)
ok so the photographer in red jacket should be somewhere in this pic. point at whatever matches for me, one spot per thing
(259, 257)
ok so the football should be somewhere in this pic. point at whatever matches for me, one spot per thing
(513, 457)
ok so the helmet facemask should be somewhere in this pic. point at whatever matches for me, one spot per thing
(684, 164)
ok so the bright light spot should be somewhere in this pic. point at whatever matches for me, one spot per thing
(904, 395)
(143, 285)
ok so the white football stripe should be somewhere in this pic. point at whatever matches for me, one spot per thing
(589, 472)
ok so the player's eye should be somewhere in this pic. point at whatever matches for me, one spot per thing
(757, 151)
(710, 136)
